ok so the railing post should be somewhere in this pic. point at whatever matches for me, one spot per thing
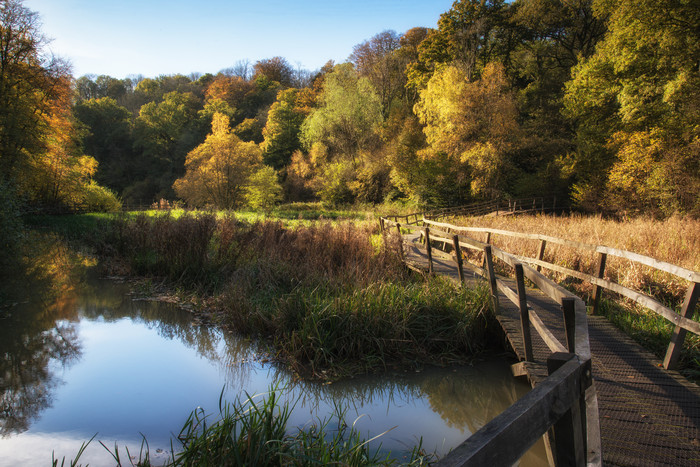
(570, 431)
(524, 312)
(674, 347)
(600, 273)
(540, 253)
(488, 259)
(488, 241)
(568, 306)
(398, 229)
(381, 224)
(458, 257)
(429, 250)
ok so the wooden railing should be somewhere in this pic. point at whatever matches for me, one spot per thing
(572, 436)
(682, 321)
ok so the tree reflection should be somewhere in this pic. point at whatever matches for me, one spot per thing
(39, 328)
(37, 332)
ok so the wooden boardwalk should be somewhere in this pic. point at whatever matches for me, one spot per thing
(648, 415)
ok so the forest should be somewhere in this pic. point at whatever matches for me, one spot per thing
(593, 101)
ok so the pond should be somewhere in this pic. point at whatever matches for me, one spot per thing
(88, 359)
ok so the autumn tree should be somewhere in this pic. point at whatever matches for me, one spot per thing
(29, 82)
(274, 69)
(473, 123)
(635, 102)
(218, 170)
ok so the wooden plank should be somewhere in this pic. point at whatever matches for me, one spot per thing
(683, 273)
(524, 313)
(569, 441)
(508, 292)
(428, 249)
(546, 335)
(507, 437)
(491, 276)
(568, 306)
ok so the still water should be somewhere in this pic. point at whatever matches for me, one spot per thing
(88, 359)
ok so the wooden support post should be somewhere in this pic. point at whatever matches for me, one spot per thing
(568, 306)
(429, 250)
(488, 259)
(540, 253)
(600, 272)
(674, 347)
(524, 312)
(398, 229)
(488, 241)
(570, 431)
(381, 224)
(458, 258)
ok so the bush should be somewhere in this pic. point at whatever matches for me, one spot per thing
(101, 199)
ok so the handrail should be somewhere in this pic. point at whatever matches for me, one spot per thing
(682, 321)
(552, 404)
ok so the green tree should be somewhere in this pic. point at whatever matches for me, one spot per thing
(263, 189)
(108, 139)
(639, 94)
(348, 115)
(377, 59)
(283, 128)
(164, 133)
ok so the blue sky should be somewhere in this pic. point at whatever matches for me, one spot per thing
(154, 37)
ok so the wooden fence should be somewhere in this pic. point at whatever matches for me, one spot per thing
(682, 321)
(564, 405)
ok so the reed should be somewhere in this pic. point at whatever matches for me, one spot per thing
(255, 430)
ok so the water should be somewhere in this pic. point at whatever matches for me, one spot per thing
(85, 359)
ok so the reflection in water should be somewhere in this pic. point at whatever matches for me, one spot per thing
(82, 357)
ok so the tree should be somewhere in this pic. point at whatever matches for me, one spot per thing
(473, 123)
(377, 60)
(164, 133)
(218, 170)
(348, 116)
(29, 82)
(274, 69)
(108, 139)
(468, 36)
(283, 127)
(263, 190)
(639, 94)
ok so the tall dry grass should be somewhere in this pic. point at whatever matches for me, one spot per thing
(675, 240)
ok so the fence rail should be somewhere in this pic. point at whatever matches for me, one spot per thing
(682, 320)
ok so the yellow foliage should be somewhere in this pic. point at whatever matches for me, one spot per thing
(218, 170)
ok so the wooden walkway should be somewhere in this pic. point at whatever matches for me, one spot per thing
(648, 415)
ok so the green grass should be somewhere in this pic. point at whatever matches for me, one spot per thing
(255, 431)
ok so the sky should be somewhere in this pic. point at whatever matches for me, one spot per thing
(122, 38)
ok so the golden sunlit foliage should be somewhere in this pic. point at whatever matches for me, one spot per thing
(218, 170)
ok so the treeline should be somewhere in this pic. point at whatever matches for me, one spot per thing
(597, 101)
